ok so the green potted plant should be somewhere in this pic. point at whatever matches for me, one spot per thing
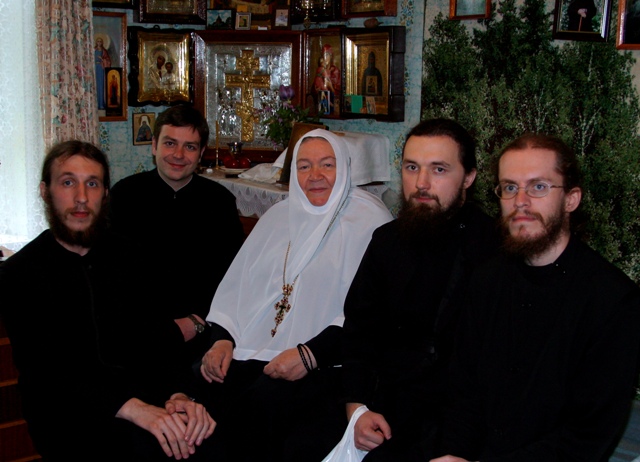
(284, 116)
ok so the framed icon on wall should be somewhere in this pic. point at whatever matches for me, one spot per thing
(160, 66)
(374, 73)
(143, 123)
(110, 32)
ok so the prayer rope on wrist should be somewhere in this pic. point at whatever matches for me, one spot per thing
(309, 356)
(302, 349)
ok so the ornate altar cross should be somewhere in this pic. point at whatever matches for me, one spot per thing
(247, 64)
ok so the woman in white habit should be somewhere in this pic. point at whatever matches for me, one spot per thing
(277, 315)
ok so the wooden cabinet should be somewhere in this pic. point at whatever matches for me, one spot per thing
(15, 444)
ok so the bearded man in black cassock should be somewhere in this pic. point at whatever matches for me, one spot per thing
(402, 306)
(546, 362)
(97, 370)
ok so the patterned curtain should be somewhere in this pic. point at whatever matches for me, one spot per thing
(67, 74)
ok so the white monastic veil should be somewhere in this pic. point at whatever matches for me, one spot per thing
(325, 264)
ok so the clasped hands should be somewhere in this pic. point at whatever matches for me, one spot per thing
(287, 365)
(181, 426)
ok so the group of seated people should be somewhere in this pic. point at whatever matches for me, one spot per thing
(145, 327)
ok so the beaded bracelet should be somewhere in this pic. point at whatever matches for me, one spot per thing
(302, 356)
(309, 357)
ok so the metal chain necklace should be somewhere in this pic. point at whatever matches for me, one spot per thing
(283, 306)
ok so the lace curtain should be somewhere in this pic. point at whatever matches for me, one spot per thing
(21, 213)
(47, 95)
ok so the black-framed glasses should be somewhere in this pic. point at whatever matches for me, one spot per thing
(535, 189)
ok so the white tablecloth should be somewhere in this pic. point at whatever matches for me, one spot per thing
(253, 199)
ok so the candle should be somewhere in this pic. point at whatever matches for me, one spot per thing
(217, 135)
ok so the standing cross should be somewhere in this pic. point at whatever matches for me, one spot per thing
(247, 64)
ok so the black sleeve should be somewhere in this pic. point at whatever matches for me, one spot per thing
(364, 314)
(219, 333)
(327, 347)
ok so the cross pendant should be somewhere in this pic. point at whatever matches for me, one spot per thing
(282, 307)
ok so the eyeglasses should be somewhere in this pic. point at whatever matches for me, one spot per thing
(536, 189)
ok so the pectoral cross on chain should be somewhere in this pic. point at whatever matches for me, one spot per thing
(282, 306)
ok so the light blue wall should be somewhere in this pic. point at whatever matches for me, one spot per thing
(116, 137)
(127, 158)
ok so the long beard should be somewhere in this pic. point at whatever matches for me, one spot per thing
(85, 238)
(530, 247)
(421, 221)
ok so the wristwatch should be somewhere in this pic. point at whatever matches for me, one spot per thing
(197, 324)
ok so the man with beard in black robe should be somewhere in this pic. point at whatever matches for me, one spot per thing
(546, 360)
(402, 306)
(96, 369)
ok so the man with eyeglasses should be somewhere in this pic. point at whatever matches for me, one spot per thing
(546, 359)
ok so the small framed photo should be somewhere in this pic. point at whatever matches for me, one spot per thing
(263, 13)
(171, 11)
(115, 97)
(353, 104)
(359, 8)
(143, 127)
(469, 9)
(281, 19)
(628, 33)
(243, 21)
(370, 104)
(220, 19)
(114, 4)
(110, 33)
(160, 66)
(586, 20)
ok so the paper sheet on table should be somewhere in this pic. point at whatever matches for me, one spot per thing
(262, 173)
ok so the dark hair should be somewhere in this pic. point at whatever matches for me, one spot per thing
(566, 160)
(453, 130)
(183, 116)
(66, 149)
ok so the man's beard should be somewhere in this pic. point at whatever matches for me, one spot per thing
(422, 221)
(528, 248)
(85, 238)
